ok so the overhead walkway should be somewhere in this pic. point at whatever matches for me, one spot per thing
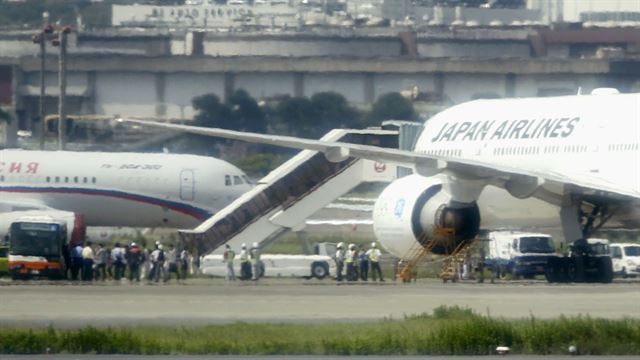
(285, 198)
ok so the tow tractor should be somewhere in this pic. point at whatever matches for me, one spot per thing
(588, 261)
(37, 248)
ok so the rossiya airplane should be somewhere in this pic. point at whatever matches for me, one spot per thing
(579, 153)
(115, 189)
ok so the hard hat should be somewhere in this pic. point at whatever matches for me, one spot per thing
(340, 245)
(157, 242)
(255, 244)
(351, 246)
(133, 244)
(160, 246)
(373, 244)
(244, 245)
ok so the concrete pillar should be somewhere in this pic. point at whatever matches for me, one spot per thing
(90, 100)
(369, 89)
(229, 85)
(438, 84)
(298, 84)
(161, 86)
(510, 85)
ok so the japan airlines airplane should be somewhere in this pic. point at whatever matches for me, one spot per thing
(579, 153)
(115, 189)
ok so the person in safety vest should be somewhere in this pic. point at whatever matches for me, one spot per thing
(350, 261)
(254, 255)
(227, 258)
(245, 264)
(374, 260)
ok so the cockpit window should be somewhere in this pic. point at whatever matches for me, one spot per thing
(237, 180)
(246, 179)
(227, 180)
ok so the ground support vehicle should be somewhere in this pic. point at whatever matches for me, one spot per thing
(38, 248)
(588, 261)
(626, 259)
(276, 265)
(519, 254)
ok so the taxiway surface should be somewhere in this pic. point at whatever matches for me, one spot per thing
(201, 302)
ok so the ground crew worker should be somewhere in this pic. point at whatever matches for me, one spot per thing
(374, 258)
(134, 258)
(254, 254)
(363, 261)
(350, 261)
(118, 258)
(245, 264)
(87, 262)
(184, 263)
(101, 260)
(227, 258)
(339, 259)
(173, 263)
(76, 261)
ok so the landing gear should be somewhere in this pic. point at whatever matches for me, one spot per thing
(587, 261)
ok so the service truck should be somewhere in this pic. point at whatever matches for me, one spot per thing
(626, 259)
(38, 247)
(519, 254)
(276, 265)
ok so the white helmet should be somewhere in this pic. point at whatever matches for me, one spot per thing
(352, 246)
(160, 246)
(133, 244)
(255, 244)
(340, 245)
(244, 246)
(373, 245)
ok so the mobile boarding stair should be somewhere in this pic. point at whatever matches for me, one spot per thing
(285, 198)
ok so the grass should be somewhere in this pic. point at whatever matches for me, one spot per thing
(449, 330)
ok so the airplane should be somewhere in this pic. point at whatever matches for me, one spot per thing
(115, 189)
(578, 153)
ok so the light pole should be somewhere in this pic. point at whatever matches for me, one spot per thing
(41, 39)
(62, 81)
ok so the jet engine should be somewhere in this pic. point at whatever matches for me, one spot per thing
(412, 210)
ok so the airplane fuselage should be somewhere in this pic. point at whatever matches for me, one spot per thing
(121, 189)
(580, 137)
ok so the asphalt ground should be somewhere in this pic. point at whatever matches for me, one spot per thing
(212, 301)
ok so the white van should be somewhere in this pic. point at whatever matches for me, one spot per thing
(626, 259)
(519, 254)
(276, 265)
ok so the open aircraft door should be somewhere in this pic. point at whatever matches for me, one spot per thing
(187, 185)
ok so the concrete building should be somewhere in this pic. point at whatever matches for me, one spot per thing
(158, 73)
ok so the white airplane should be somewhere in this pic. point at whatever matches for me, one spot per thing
(115, 189)
(579, 153)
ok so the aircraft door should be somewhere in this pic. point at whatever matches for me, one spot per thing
(187, 185)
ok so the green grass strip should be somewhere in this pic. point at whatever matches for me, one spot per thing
(448, 331)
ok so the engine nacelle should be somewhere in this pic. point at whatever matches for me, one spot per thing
(411, 209)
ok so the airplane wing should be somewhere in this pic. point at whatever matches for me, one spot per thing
(423, 163)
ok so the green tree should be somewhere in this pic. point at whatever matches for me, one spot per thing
(333, 111)
(246, 112)
(391, 106)
(212, 113)
(298, 115)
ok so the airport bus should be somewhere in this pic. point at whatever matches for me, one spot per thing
(37, 248)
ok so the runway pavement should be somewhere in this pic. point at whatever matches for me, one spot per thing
(207, 301)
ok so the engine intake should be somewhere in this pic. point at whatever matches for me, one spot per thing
(415, 209)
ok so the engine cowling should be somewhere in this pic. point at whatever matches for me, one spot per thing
(412, 209)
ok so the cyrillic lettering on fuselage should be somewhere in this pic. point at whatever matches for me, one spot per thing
(17, 167)
(507, 129)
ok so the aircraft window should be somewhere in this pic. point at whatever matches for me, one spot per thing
(84, 179)
(57, 179)
(75, 179)
(66, 179)
(237, 180)
(246, 179)
(227, 180)
(2, 178)
(48, 178)
(93, 180)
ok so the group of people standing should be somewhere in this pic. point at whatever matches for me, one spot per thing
(251, 268)
(126, 261)
(355, 263)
